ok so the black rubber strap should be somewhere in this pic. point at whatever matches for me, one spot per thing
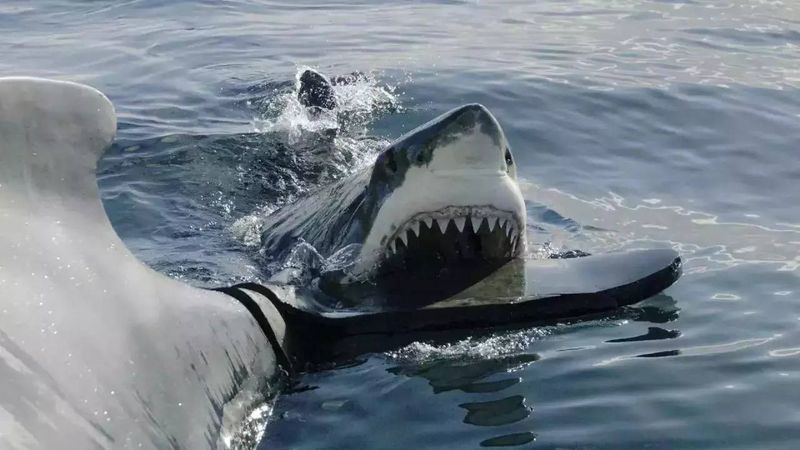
(265, 291)
(280, 353)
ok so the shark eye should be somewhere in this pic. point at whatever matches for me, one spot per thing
(509, 159)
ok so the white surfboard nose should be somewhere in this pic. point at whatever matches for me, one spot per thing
(471, 141)
(105, 322)
(51, 135)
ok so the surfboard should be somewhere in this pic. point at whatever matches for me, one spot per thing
(521, 293)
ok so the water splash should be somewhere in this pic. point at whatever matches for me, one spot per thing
(294, 121)
(343, 258)
(358, 102)
(247, 229)
(250, 431)
(471, 348)
(331, 144)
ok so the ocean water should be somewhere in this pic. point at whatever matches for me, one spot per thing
(634, 123)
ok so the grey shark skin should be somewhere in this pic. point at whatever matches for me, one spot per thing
(96, 349)
(442, 196)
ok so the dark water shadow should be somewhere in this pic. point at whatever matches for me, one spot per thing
(480, 377)
(653, 334)
(495, 413)
(467, 375)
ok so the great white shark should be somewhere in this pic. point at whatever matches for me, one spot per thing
(440, 198)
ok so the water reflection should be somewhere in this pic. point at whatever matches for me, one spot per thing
(509, 440)
(446, 375)
(659, 309)
(653, 334)
(481, 376)
(495, 413)
(700, 350)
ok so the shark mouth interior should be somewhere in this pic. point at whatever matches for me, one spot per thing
(434, 255)
(452, 238)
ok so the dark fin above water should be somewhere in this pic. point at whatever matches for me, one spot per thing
(316, 91)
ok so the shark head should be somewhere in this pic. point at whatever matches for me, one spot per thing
(444, 195)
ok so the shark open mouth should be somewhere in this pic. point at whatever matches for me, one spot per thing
(452, 237)
(440, 203)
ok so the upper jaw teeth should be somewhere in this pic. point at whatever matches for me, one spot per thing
(458, 218)
(460, 222)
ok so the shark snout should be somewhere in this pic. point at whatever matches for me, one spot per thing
(472, 115)
(470, 141)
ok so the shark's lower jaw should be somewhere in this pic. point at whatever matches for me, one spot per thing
(452, 238)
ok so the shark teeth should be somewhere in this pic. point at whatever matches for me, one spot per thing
(404, 238)
(492, 223)
(499, 224)
(476, 222)
(460, 222)
(414, 227)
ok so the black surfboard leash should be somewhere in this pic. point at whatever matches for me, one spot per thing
(236, 292)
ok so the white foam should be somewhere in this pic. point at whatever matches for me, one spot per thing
(247, 229)
(471, 348)
(357, 103)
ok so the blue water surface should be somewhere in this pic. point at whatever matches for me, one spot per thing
(635, 123)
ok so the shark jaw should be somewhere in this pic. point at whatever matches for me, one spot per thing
(459, 231)
(454, 239)
(416, 234)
